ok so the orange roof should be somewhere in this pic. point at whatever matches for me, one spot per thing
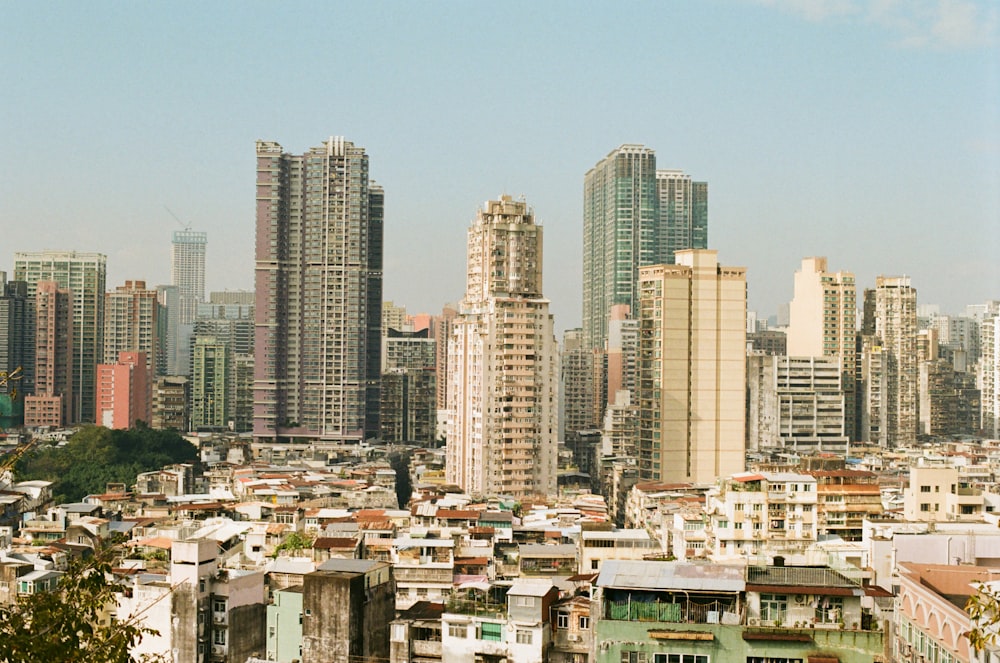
(155, 542)
(457, 514)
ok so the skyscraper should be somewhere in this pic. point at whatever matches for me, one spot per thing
(134, 321)
(17, 344)
(891, 315)
(210, 389)
(988, 374)
(409, 386)
(621, 232)
(187, 270)
(84, 274)
(823, 317)
(52, 401)
(502, 381)
(576, 396)
(692, 369)
(633, 215)
(176, 349)
(683, 211)
(319, 293)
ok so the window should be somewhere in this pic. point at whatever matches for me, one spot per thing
(458, 631)
(679, 658)
(584, 622)
(219, 637)
(562, 620)
(773, 607)
(491, 631)
(925, 489)
(925, 507)
(523, 637)
(830, 610)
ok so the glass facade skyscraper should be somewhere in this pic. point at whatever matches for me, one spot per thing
(633, 216)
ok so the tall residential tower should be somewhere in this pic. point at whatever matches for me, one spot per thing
(621, 232)
(502, 376)
(692, 369)
(890, 314)
(319, 294)
(823, 317)
(187, 270)
(84, 275)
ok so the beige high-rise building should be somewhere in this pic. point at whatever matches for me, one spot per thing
(502, 376)
(891, 308)
(134, 321)
(51, 404)
(692, 369)
(823, 317)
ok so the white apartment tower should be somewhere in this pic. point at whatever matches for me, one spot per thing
(187, 270)
(502, 368)
(988, 375)
(823, 317)
(692, 369)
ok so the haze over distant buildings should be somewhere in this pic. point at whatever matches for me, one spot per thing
(868, 135)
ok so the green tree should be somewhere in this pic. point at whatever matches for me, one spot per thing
(65, 624)
(96, 456)
(984, 610)
(294, 541)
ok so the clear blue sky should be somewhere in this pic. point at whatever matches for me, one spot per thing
(864, 130)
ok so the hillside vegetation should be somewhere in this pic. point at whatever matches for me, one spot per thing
(96, 456)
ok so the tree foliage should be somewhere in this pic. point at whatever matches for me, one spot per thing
(984, 610)
(68, 624)
(96, 456)
(295, 541)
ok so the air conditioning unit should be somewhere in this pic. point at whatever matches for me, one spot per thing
(753, 621)
(218, 650)
(573, 637)
(218, 618)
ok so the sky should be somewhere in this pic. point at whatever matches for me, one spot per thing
(867, 131)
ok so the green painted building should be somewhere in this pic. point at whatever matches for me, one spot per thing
(284, 626)
(677, 612)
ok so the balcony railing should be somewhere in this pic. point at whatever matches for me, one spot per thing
(682, 612)
(476, 608)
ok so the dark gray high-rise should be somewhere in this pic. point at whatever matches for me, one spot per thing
(318, 306)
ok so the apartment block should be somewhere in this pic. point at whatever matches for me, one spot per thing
(692, 369)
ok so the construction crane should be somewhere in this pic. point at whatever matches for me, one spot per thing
(8, 461)
(177, 219)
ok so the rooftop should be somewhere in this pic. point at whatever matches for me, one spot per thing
(627, 574)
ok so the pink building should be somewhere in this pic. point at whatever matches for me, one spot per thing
(123, 391)
(51, 403)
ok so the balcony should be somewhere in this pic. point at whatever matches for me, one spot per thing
(426, 648)
(680, 612)
(419, 574)
(476, 608)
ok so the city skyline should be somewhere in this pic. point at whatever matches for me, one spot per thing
(896, 145)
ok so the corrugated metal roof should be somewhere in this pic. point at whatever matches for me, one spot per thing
(627, 574)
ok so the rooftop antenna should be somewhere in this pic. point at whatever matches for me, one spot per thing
(171, 213)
